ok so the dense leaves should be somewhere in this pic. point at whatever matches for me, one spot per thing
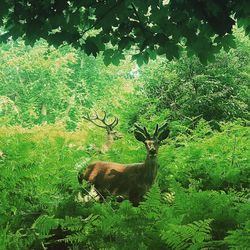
(149, 27)
(44, 85)
(217, 91)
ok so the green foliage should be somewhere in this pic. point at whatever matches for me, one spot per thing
(187, 89)
(40, 206)
(34, 82)
(190, 236)
(152, 27)
(45, 85)
(220, 162)
(240, 238)
(44, 224)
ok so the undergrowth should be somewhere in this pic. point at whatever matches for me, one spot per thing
(199, 201)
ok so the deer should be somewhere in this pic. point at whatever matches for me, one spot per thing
(103, 123)
(128, 180)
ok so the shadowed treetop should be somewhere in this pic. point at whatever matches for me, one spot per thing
(149, 27)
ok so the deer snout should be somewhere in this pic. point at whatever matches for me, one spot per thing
(152, 151)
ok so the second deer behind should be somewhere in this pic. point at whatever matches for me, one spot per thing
(102, 122)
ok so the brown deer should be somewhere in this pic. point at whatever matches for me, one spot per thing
(112, 135)
(129, 180)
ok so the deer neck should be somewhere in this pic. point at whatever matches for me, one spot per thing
(151, 166)
(110, 139)
(107, 145)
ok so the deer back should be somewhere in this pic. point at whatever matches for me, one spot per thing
(114, 178)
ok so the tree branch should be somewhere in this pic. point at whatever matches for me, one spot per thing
(137, 15)
(102, 17)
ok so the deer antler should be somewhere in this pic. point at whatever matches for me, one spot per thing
(156, 130)
(163, 127)
(107, 126)
(92, 119)
(142, 131)
(161, 132)
(114, 123)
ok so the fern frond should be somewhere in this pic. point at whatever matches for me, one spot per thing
(192, 236)
(239, 239)
(75, 238)
(44, 223)
(153, 203)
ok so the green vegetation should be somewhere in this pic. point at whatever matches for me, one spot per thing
(150, 28)
(200, 199)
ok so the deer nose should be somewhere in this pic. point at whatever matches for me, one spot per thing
(152, 151)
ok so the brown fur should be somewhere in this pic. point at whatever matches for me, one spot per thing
(131, 180)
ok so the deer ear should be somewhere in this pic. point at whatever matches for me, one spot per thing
(163, 135)
(139, 136)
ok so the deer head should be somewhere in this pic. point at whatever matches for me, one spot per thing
(115, 135)
(102, 122)
(153, 142)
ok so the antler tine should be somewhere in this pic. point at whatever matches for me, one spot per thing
(156, 130)
(162, 127)
(97, 116)
(87, 117)
(139, 128)
(104, 121)
(104, 117)
(146, 132)
(114, 123)
(143, 130)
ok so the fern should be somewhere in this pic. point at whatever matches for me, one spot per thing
(151, 207)
(239, 239)
(10, 240)
(72, 223)
(75, 238)
(176, 220)
(192, 236)
(44, 224)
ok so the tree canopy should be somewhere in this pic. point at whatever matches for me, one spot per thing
(150, 28)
